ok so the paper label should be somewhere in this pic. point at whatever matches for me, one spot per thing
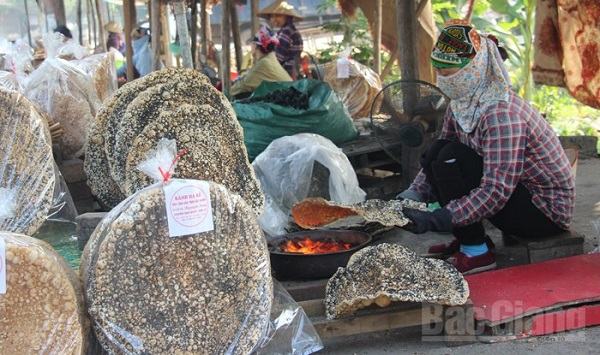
(343, 68)
(189, 210)
(2, 266)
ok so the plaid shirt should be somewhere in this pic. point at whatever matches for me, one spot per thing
(289, 48)
(517, 145)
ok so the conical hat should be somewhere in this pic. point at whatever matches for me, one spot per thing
(280, 8)
(114, 27)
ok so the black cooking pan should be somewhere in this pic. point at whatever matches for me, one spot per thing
(293, 266)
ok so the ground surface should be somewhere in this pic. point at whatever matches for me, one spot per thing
(587, 210)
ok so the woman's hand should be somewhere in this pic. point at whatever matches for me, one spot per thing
(439, 220)
(409, 194)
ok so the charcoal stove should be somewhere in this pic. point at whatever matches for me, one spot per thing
(295, 266)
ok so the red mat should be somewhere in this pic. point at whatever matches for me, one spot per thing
(502, 295)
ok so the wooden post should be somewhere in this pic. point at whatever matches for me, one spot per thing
(165, 35)
(407, 39)
(79, 21)
(89, 22)
(194, 33)
(255, 23)
(179, 8)
(93, 17)
(225, 44)
(130, 18)
(406, 20)
(109, 12)
(28, 24)
(101, 23)
(204, 25)
(378, 30)
(237, 43)
(58, 7)
(388, 66)
(155, 28)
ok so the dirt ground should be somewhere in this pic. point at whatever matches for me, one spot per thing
(587, 209)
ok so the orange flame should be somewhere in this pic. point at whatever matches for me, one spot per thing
(309, 246)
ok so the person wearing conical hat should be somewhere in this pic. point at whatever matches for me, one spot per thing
(497, 158)
(265, 68)
(282, 15)
(115, 37)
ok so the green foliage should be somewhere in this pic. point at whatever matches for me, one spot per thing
(356, 36)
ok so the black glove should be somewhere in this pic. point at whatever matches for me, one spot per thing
(439, 220)
(409, 194)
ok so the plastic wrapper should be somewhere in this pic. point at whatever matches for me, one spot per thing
(355, 84)
(290, 330)
(31, 187)
(101, 68)
(153, 288)
(17, 65)
(42, 308)
(149, 291)
(286, 170)
(67, 94)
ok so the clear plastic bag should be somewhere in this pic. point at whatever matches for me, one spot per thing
(286, 173)
(290, 330)
(355, 84)
(67, 94)
(43, 305)
(101, 68)
(32, 190)
(150, 289)
(17, 65)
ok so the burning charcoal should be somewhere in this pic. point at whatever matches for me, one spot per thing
(386, 273)
(199, 130)
(315, 213)
(308, 246)
(42, 309)
(206, 293)
(26, 165)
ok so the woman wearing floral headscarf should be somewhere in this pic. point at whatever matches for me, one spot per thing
(266, 66)
(496, 159)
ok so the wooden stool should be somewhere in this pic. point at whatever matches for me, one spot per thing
(569, 243)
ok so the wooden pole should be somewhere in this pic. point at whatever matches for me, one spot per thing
(58, 6)
(27, 23)
(225, 44)
(101, 23)
(378, 30)
(79, 21)
(155, 28)
(194, 33)
(109, 12)
(165, 35)
(237, 43)
(204, 24)
(179, 8)
(89, 22)
(471, 5)
(93, 16)
(130, 17)
(255, 23)
(407, 39)
(388, 67)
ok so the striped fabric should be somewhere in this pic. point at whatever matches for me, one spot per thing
(289, 48)
(517, 145)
